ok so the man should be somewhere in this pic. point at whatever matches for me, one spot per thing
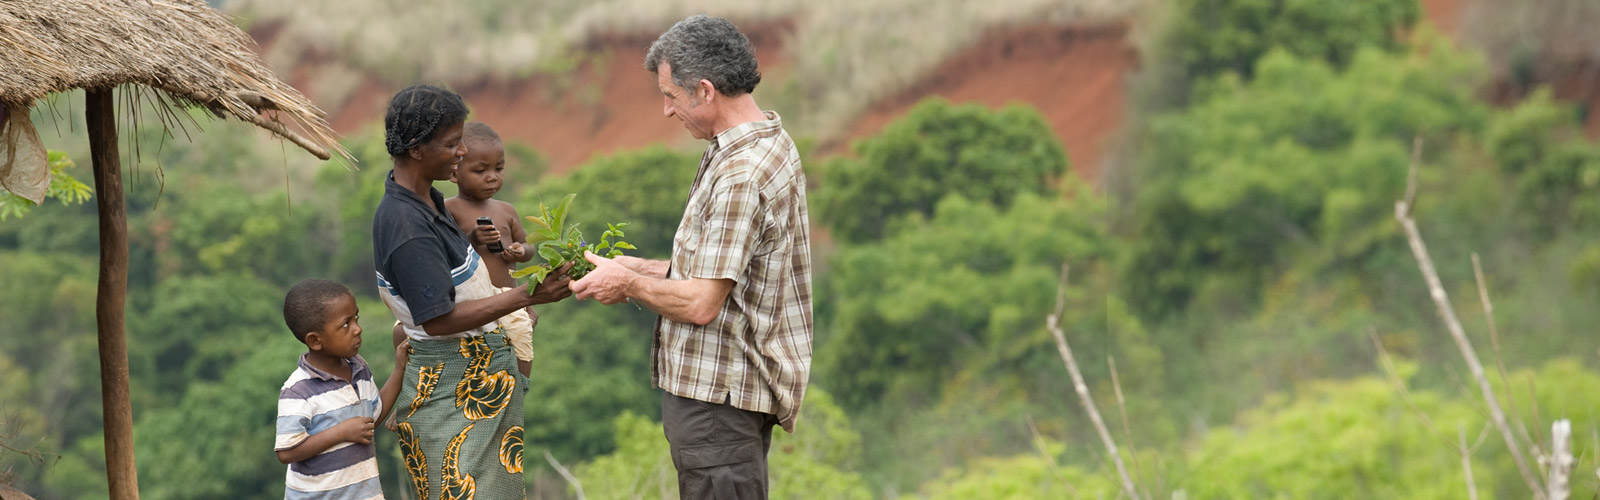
(732, 349)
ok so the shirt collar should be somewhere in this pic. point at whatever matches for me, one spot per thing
(392, 188)
(733, 134)
(357, 365)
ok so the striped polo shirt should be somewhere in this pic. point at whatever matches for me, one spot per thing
(313, 401)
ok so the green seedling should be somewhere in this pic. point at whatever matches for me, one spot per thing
(558, 243)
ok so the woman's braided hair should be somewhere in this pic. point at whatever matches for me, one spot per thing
(417, 114)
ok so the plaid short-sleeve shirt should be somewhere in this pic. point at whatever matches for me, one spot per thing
(745, 221)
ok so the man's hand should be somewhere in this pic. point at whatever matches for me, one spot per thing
(607, 283)
(354, 429)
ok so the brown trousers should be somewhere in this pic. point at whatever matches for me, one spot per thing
(720, 451)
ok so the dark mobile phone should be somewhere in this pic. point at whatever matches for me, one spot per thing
(494, 246)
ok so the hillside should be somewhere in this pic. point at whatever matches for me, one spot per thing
(1073, 74)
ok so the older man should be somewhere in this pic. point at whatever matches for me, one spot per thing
(732, 349)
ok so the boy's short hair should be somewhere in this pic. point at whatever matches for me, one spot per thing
(305, 307)
(417, 114)
(479, 132)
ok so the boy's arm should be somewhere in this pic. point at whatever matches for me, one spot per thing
(354, 429)
(391, 388)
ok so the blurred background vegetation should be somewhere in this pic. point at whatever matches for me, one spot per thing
(1234, 256)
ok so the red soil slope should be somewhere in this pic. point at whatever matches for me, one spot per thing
(1074, 75)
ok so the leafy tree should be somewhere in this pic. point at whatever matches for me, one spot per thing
(969, 287)
(936, 150)
(1302, 160)
(216, 440)
(1212, 37)
(1555, 171)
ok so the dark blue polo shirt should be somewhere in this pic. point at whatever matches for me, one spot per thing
(415, 248)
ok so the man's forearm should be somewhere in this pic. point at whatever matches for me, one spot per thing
(650, 268)
(696, 301)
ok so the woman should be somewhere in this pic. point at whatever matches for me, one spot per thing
(459, 414)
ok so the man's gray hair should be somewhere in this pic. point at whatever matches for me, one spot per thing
(702, 47)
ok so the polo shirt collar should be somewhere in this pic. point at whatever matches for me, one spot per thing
(394, 189)
(355, 368)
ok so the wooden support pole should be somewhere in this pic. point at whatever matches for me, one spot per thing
(111, 297)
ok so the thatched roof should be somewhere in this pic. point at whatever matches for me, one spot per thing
(182, 47)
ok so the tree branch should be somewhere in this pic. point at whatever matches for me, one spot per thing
(1053, 322)
(572, 480)
(1441, 300)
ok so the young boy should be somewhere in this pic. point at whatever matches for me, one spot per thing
(478, 178)
(327, 407)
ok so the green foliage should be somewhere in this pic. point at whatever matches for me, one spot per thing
(938, 149)
(647, 188)
(815, 462)
(971, 286)
(1556, 174)
(558, 243)
(235, 415)
(1301, 161)
(1020, 477)
(1212, 37)
(63, 188)
(590, 361)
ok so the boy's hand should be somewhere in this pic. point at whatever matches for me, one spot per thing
(485, 234)
(402, 354)
(354, 429)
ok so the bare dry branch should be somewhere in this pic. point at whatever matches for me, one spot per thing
(1053, 322)
(1560, 460)
(1127, 429)
(1441, 300)
(1494, 340)
(1466, 462)
(565, 474)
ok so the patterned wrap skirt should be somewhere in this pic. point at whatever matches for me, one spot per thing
(459, 419)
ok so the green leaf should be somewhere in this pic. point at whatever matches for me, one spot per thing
(624, 245)
(528, 271)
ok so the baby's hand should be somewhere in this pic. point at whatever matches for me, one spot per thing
(514, 252)
(402, 353)
(354, 429)
(485, 234)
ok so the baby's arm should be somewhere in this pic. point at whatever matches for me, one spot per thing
(353, 429)
(391, 388)
(516, 251)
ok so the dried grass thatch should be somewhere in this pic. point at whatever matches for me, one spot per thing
(184, 48)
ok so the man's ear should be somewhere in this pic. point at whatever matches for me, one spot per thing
(314, 341)
(706, 90)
